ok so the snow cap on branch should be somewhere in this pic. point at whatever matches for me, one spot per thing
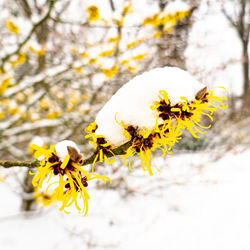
(61, 148)
(132, 103)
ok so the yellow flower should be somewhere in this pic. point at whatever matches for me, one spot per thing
(52, 114)
(91, 128)
(38, 140)
(145, 141)
(93, 13)
(73, 50)
(13, 110)
(4, 85)
(20, 97)
(45, 103)
(162, 19)
(38, 52)
(134, 43)
(188, 114)
(110, 72)
(114, 39)
(92, 60)
(71, 182)
(120, 21)
(83, 54)
(85, 97)
(142, 144)
(157, 34)
(21, 58)
(11, 26)
(101, 146)
(107, 53)
(2, 114)
(132, 68)
(79, 69)
(124, 62)
(152, 20)
(140, 56)
(44, 198)
(74, 99)
(127, 8)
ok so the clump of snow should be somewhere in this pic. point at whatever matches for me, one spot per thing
(131, 103)
(38, 141)
(61, 148)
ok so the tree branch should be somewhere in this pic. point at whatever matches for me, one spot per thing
(34, 28)
(234, 24)
(87, 24)
(26, 8)
(10, 164)
(121, 150)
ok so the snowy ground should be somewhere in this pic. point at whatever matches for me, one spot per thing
(199, 201)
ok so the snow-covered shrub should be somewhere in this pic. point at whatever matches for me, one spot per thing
(149, 112)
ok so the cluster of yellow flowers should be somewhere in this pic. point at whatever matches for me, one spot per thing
(21, 57)
(128, 62)
(45, 108)
(169, 126)
(71, 181)
(164, 20)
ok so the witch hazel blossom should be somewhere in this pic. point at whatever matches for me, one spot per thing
(151, 111)
(62, 173)
(148, 113)
(132, 103)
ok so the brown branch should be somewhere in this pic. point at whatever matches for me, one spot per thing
(34, 28)
(87, 24)
(232, 22)
(121, 150)
(26, 8)
(112, 5)
(10, 164)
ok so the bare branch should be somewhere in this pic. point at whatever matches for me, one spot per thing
(112, 5)
(234, 24)
(87, 24)
(34, 28)
(26, 8)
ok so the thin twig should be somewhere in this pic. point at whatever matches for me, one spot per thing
(87, 24)
(10, 164)
(121, 150)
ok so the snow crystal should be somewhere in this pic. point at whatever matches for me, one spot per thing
(131, 103)
(61, 148)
